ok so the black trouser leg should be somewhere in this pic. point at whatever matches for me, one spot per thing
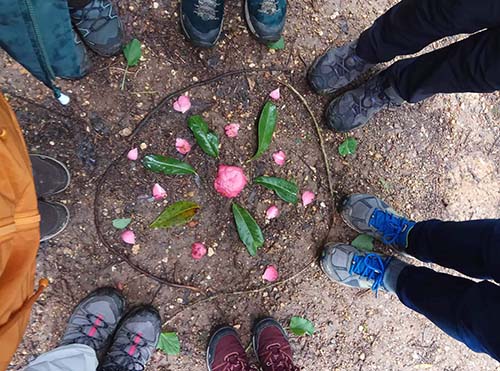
(78, 4)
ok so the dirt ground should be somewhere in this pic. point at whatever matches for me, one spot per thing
(436, 159)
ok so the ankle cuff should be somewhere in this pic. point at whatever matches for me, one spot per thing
(392, 273)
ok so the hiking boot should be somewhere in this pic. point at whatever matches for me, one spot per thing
(336, 68)
(225, 352)
(50, 175)
(94, 319)
(266, 18)
(202, 20)
(270, 343)
(370, 215)
(134, 341)
(99, 26)
(54, 218)
(354, 108)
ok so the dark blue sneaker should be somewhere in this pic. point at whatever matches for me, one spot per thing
(202, 20)
(266, 18)
(370, 215)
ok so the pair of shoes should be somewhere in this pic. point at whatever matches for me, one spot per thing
(100, 28)
(270, 344)
(123, 341)
(51, 177)
(202, 20)
(337, 68)
(349, 266)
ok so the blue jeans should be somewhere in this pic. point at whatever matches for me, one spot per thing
(466, 310)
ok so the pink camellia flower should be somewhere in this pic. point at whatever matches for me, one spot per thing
(182, 104)
(128, 237)
(230, 181)
(307, 198)
(158, 192)
(272, 212)
(232, 130)
(270, 274)
(133, 154)
(275, 94)
(198, 250)
(182, 145)
(279, 157)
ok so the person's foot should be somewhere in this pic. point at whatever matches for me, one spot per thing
(266, 18)
(336, 68)
(54, 218)
(50, 175)
(134, 341)
(225, 352)
(370, 215)
(95, 319)
(354, 108)
(271, 346)
(202, 21)
(99, 26)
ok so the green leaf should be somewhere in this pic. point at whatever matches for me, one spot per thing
(206, 139)
(283, 188)
(177, 214)
(121, 223)
(277, 45)
(167, 165)
(300, 326)
(132, 52)
(267, 124)
(248, 229)
(363, 242)
(169, 343)
(348, 147)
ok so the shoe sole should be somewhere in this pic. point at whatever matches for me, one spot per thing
(46, 238)
(252, 29)
(44, 157)
(196, 43)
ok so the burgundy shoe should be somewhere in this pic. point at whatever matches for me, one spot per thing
(271, 346)
(225, 352)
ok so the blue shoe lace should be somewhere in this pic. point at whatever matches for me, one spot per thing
(371, 267)
(394, 229)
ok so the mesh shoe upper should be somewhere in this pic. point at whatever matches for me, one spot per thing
(225, 352)
(266, 18)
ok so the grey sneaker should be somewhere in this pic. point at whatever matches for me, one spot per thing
(50, 175)
(354, 268)
(134, 342)
(370, 215)
(54, 217)
(336, 68)
(100, 27)
(354, 108)
(94, 319)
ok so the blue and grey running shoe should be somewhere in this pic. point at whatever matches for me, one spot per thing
(266, 18)
(202, 21)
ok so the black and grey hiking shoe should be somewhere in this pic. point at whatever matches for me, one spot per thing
(54, 217)
(94, 319)
(134, 341)
(51, 176)
(354, 108)
(336, 68)
(100, 27)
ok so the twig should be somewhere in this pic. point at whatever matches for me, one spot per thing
(124, 77)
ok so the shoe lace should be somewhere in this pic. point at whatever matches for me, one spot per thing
(388, 225)
(235, 362)
(120, 359)
(87, 24)
(268, 7)
(371, 267)
(206, 9)
(81, 333)
(277, 359)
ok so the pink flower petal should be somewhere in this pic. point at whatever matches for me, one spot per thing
(232, 130)
(182, 104)
(230, 181)
(279, 157)
(275, 94)
(158, 192)
(133, 154)
(198, 250)
(270, 274)
(182, 145)
(307, 198)
(272, 212)
(128, 237)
